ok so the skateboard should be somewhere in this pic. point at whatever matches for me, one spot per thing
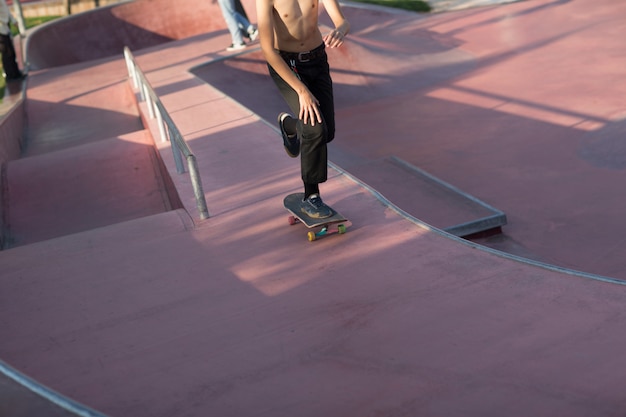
(326, 226)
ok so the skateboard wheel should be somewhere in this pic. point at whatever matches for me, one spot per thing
(341, 229)
(292, 220)
(312, 236)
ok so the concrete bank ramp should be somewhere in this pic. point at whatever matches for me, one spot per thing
(241, 315)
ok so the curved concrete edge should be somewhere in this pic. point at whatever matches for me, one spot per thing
(34, 31)
(414, 220)
(473, 245)
(69, 405)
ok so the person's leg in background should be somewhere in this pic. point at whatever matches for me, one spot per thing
(230, 16)
(9, 63)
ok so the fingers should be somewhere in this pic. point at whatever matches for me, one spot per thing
(318, 114)
(309, 110)
(334, 39)
(304, 115)
(310, 115)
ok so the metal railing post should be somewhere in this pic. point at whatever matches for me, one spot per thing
(168, 130)
(178, 157)
(148, 101)
(130, 65)
(196, 182)
(162, 132)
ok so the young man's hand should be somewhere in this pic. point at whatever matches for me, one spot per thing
(309, 108)
(334, 38)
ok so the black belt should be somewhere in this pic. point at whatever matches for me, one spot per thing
(305, 56)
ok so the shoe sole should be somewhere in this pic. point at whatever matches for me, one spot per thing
(286, 138)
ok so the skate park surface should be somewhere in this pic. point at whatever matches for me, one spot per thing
(114, 292)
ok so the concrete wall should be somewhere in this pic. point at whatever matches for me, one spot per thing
(12, 118)
(105, 31)
(56, 7)
(11, 127)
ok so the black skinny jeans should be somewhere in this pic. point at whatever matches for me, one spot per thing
(315, 74)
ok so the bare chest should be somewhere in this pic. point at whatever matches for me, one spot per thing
(296, 23)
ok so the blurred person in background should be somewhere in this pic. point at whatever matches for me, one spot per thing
(9, 63)
(238, 24)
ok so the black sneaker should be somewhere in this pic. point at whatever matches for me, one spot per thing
(291, 142)
(314, 207)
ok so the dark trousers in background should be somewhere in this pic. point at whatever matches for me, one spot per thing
(9, 63)
(239, 9)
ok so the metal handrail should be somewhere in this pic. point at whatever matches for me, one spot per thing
(168, 130)
(72, 407)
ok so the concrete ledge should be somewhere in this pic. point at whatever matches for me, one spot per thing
(487, 218)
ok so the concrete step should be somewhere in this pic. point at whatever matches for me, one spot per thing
(83, 187)
(423, 195)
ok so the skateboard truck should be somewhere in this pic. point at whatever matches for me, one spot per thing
(329, 229)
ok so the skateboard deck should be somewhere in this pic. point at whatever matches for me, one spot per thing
(326, 226)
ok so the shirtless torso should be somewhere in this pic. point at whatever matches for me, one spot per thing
(296, 25)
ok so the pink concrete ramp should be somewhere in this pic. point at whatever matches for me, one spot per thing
(167, 315)
(495, 101)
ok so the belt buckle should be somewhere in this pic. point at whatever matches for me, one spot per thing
(301, 54)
